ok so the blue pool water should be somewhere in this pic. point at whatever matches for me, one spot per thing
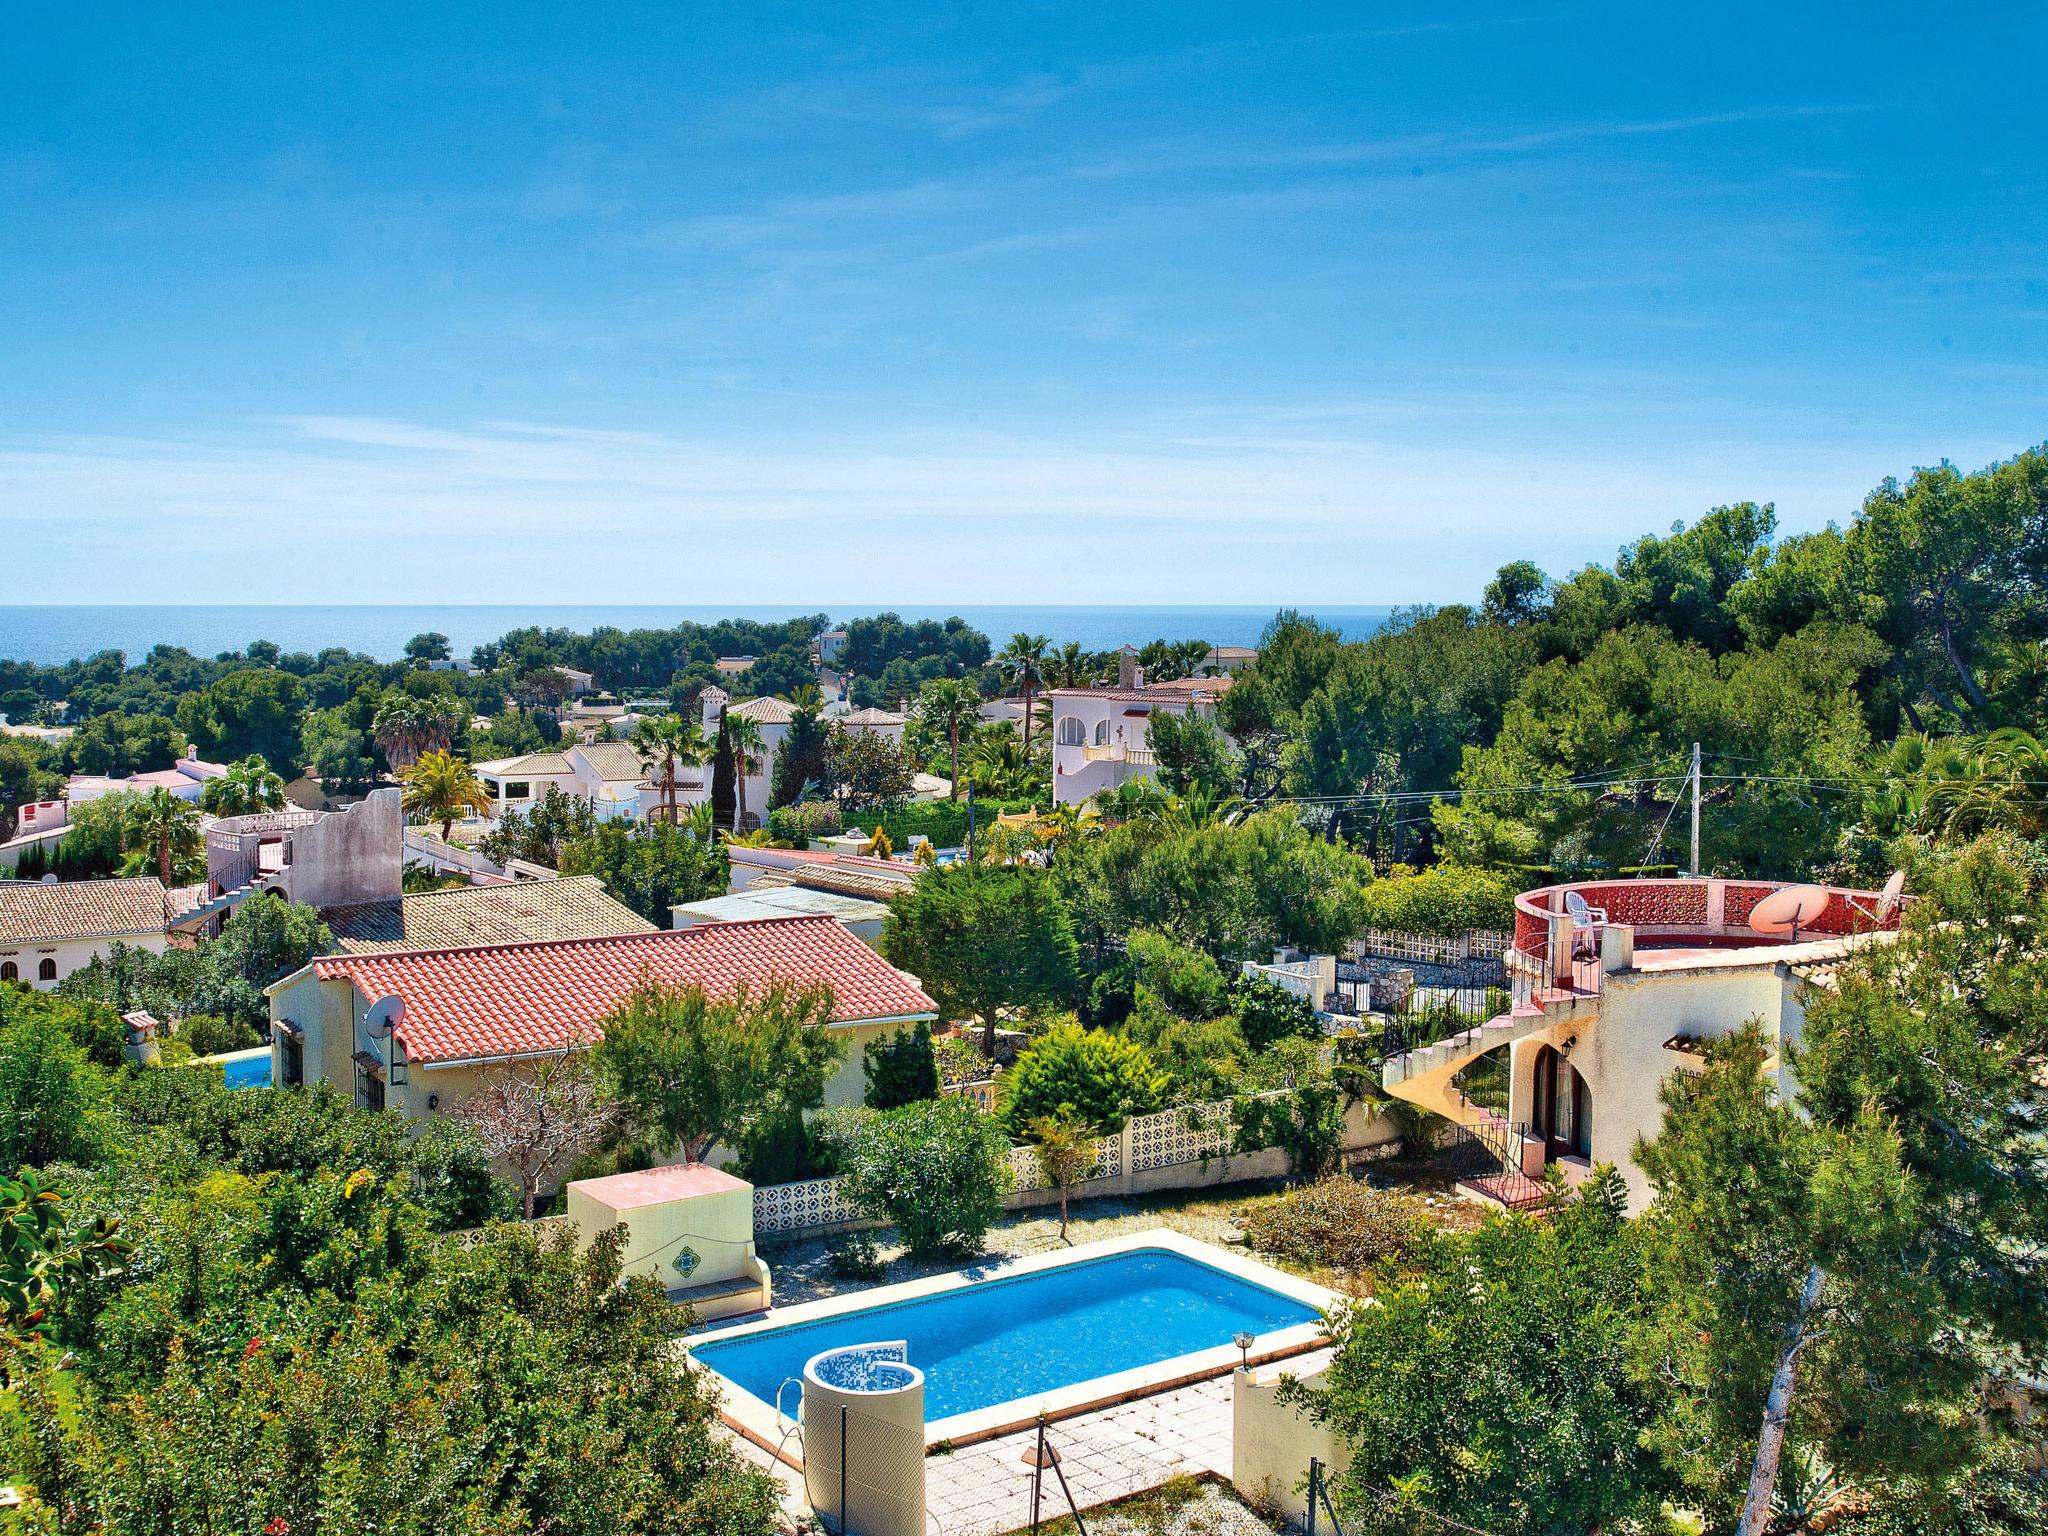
(1011, 1338)
(250, 1072)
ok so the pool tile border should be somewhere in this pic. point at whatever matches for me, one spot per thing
(758, 1421)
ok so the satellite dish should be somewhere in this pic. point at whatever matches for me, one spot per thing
(1888, 898)
(1787, 911)
(385, 1015)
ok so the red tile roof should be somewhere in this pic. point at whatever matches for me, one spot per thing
(514, 999)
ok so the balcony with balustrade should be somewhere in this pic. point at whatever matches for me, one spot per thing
(1573, 945)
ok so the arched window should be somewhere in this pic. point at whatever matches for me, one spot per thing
(1072, 732)
(47, 971)
(9, 971)
(1102, 733)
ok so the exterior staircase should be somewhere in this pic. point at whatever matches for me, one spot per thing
(1427, 1078)
(227, 901)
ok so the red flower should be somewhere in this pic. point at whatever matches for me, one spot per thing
(276, 1525)
(249, 1353)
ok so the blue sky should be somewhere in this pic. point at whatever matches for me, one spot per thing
(987, 302)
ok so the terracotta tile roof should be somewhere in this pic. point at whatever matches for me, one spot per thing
(615, 761)
(524, 912)
(765, 711)
(1188, 689)
(874, 717)
(511, 999)
(36, 911)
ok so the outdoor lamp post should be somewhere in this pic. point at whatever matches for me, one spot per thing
(1243, 1341)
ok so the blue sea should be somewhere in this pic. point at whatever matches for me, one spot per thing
(55, 634)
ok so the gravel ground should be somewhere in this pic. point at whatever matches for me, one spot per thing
(803, 1268)
(1180, 1508)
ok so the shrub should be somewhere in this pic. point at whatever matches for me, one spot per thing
(799, 824)
(856, 1257)
(901, 1069)
(1268, 1013)
(1338, 1222)
(938, 1169)
(210, 1035)
(1103, 1078)
(1445, 900)
(1185, 979)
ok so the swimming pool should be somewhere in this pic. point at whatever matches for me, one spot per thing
(1020, 1336)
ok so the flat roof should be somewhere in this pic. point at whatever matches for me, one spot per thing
(783, 901)
(658, 1186)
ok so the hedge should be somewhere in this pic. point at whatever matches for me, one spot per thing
(1446, 901)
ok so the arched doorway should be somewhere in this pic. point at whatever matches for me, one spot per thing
(1564, 1108)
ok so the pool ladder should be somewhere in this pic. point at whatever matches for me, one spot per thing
(789, 1425)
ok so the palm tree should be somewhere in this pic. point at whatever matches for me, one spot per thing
(744, 737)
(996, 764)
(440, 787)
(1067, 824)
(1133, 800)
(1024, 659)
(407, 728)
(1071, 666)
(246, 788)
(664, 744)
(163, 831)
(947, 703)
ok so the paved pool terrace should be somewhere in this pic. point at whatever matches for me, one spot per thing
(1073, 1351)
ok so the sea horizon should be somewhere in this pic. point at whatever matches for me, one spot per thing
(50, 634)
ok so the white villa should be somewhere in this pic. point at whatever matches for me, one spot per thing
(1103, 736)
(611, 776)
(1618, 984)
(606, 773)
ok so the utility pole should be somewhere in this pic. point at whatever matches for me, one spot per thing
(1695, 809)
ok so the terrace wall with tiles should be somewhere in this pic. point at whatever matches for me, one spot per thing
(1184, 1148)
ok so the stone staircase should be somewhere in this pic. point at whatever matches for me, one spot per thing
(227, 901)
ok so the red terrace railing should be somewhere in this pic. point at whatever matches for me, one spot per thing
(1687, 908)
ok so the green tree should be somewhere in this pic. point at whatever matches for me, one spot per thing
(867, 771)
(441, 787)
(650, 868)
(938, 1169)
(248, 786)
(1848, 1261)
(1065, 1147)
(1516, 1409)
(23, 778)
(336, 753)
(665, 743)
(949, 705)
(257, 712)
(800, 761)
(1095, 1074)
(901, 1069)
(53, 1100)
(984, 939)
(1192, 755)
(741, 736)
(696, 1072)
(162, 834)
(1023, 662)
(432, 646)
(41, 1258)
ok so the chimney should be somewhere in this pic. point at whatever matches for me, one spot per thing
(1128, 673)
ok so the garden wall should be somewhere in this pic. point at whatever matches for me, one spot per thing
(1186, 1148)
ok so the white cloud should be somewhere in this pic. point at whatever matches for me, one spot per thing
(343, 509)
